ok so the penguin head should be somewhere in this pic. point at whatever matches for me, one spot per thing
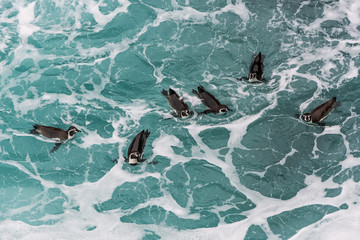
(72, 131)
(134, 158)
(223, 109)
(185, 113)
(306, 117)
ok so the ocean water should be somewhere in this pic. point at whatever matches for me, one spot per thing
(255, 173)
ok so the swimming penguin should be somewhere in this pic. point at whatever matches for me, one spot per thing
(136, 148)
(55, 133)
(180, 108)
(321, 112)
(210, 101)
(256, 69)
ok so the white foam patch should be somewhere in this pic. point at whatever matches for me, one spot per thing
(93, 138)
(162, 146)
(327, 54)
(238, 8)
(353, 70)
(188, 13)
(4, 136)
(100, 18)
(344, 224)
(134, 112)
(36, 103)
(241, 91)
(26, 17)
(76, 222)
(6, 21)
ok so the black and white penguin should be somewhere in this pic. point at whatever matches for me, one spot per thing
(136, 148)
(321, 112)
(256, 71)
(55, 133)
(180, 108)
(210, 101)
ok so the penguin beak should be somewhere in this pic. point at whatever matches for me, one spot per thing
(78, 130)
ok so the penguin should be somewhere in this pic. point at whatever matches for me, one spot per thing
(55, 133)
(180, 108)
(321, 112)
(256, 71)
(210, 101)
(136, 148)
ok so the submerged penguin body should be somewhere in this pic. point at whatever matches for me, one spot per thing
(180, 108)
(210, 101)
(321, 112)
(136, 148)
(57, 134)
(256, 71)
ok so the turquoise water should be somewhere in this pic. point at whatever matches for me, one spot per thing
(255, 173)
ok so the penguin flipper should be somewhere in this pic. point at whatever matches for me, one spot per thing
(147, 133)
(195, 92)
(56, 147)
(242, 78)
(201, 88)
(171, 91)
(262, 58)
(165, 93)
